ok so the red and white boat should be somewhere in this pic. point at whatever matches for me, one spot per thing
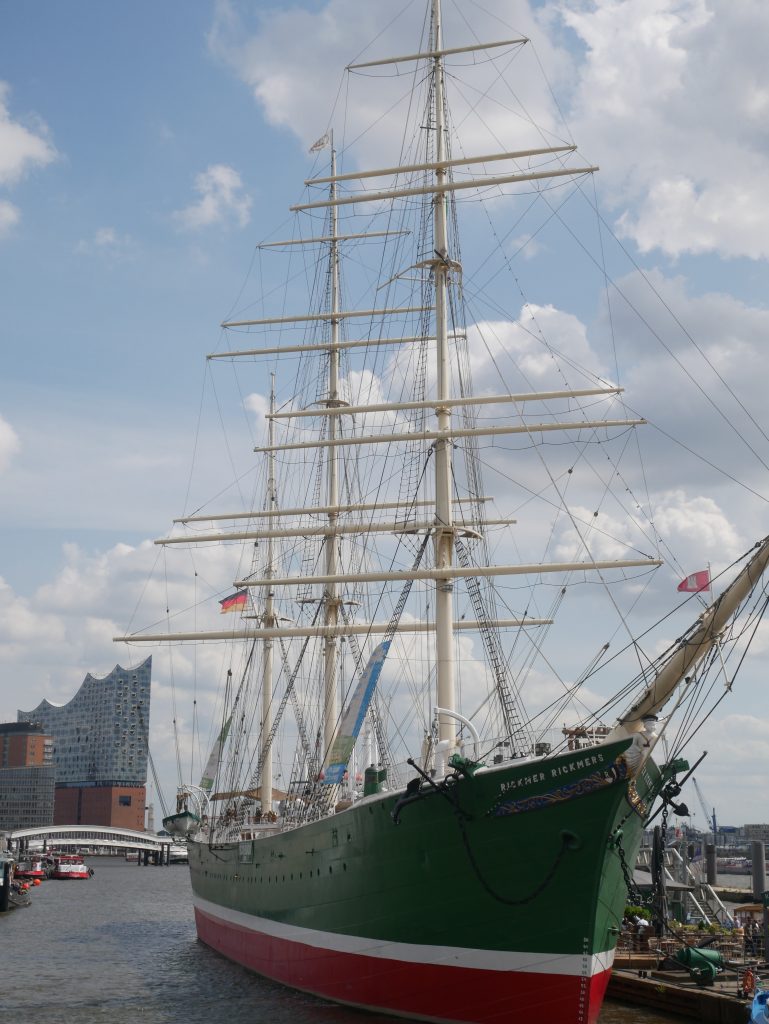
(31, 867)
(69, 865)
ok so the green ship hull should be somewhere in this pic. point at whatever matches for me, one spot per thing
(496, 898)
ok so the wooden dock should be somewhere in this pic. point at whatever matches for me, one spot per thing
(641, 983)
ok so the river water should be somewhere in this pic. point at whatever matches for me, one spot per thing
(120, 948)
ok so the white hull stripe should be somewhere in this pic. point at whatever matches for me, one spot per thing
(569, 964)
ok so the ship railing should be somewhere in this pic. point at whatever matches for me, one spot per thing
(699, 908)
(720, 912)
(499, 750)
(263, 829)
(709, 899)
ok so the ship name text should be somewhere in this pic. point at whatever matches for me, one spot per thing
(564, 769)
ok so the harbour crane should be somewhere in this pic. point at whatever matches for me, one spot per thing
(710, 817)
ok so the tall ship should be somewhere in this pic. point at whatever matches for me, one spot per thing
(409, 808)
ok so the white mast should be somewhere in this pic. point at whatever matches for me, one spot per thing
(444, 519)
(269, 623)
(345, 518)
(331, 593)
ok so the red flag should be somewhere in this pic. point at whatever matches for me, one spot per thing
(696, 582)
(234, 602)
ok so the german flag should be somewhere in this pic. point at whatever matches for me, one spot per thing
(234, 602)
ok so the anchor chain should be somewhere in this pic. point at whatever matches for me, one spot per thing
(668, 795)
(449, 789)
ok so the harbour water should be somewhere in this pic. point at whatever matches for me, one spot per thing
(121, 948)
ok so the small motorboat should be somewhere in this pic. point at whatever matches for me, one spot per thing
(69, 865)
(31, 867)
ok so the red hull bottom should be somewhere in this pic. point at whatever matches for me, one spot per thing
(423, 991)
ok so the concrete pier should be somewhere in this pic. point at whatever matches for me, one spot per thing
(161, 856)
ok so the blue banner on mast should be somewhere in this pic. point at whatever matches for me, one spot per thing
(352, 720)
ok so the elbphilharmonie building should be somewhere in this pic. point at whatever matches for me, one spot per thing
(100, 748)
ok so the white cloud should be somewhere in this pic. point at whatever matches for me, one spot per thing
(21, 147)
(524, 245)
(708, 397)
(669, 97)
(699, 526)
(9, 217)
(52, 639)
(107, 242)
(9, 443)
(115, 449)
(680, 215)
(365, 388)
(534, 350)
(671, 100)
(257, 404)
(297, 84)
(738, 752)
(23, 624)
(222, 199)
(693, 527)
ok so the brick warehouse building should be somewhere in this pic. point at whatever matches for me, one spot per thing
(100, 748)
(27, 776)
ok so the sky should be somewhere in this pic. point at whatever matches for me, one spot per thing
(146, 148)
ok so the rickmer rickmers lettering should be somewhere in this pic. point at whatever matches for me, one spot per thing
(419, 800)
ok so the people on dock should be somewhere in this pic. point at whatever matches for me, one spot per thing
(752, 938)
(642, 933)
(636, 929)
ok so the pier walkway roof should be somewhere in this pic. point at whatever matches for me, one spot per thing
(93, 836)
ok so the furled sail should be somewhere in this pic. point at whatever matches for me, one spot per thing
(209, 772)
